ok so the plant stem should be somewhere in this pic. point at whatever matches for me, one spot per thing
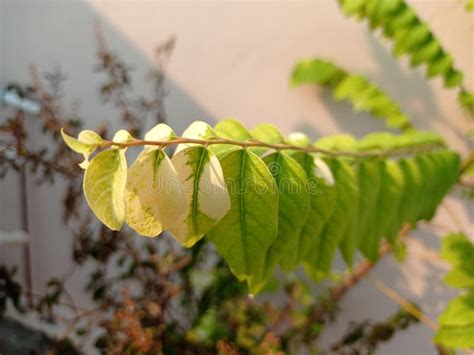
(280, 146)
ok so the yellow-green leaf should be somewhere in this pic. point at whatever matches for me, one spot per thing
(153, 196)
(202, 184)
(197, 130)
(104, 187)
(244, 235)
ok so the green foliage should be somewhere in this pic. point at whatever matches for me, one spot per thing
(457, 321)
(358, 90)
(459, 251)
(413, 37)
(245, 234)
(469, 5)
(265, 202)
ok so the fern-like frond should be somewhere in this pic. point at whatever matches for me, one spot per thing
(265, 200)
(413, 37)
(358, 90)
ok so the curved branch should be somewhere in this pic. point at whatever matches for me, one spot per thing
(255, 143)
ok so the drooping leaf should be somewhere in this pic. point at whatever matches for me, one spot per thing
(366, 234)
(202, 184)
(336, 226)
(448, 167)
(322, 194)
(413, 196)
(350, 204)
(293, 208)
(104, 187)
(246, 232)
(387, 213)
(153, 196)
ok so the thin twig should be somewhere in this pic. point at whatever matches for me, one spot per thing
(256, 143)
(406, 305)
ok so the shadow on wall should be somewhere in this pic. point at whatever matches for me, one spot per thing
(71, 46)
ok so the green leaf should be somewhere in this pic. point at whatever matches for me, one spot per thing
(337, 142)
(293, 208)
(460, 311)
(466, 100)
(426, 53)
(392, 185)
(202, 184)
(360, 92)
(245, 234)
(406, 41)
(349, 239)
(469, 5)
(461, 277)
(447, 166)
(385, 141)
(322, 194)
(410, 36)
(412, 197)
(316, 71)
(104, 187)
(369, 183)
(230, 129)
(458, 337)
(457, 320)
(458, 250)
(453, 78)
(153, 196)
(344, 210)
(265, 133)
(441, 65)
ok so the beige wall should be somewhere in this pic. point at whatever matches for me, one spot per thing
(233, 59)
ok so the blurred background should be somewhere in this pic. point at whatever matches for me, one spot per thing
(224, 59)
